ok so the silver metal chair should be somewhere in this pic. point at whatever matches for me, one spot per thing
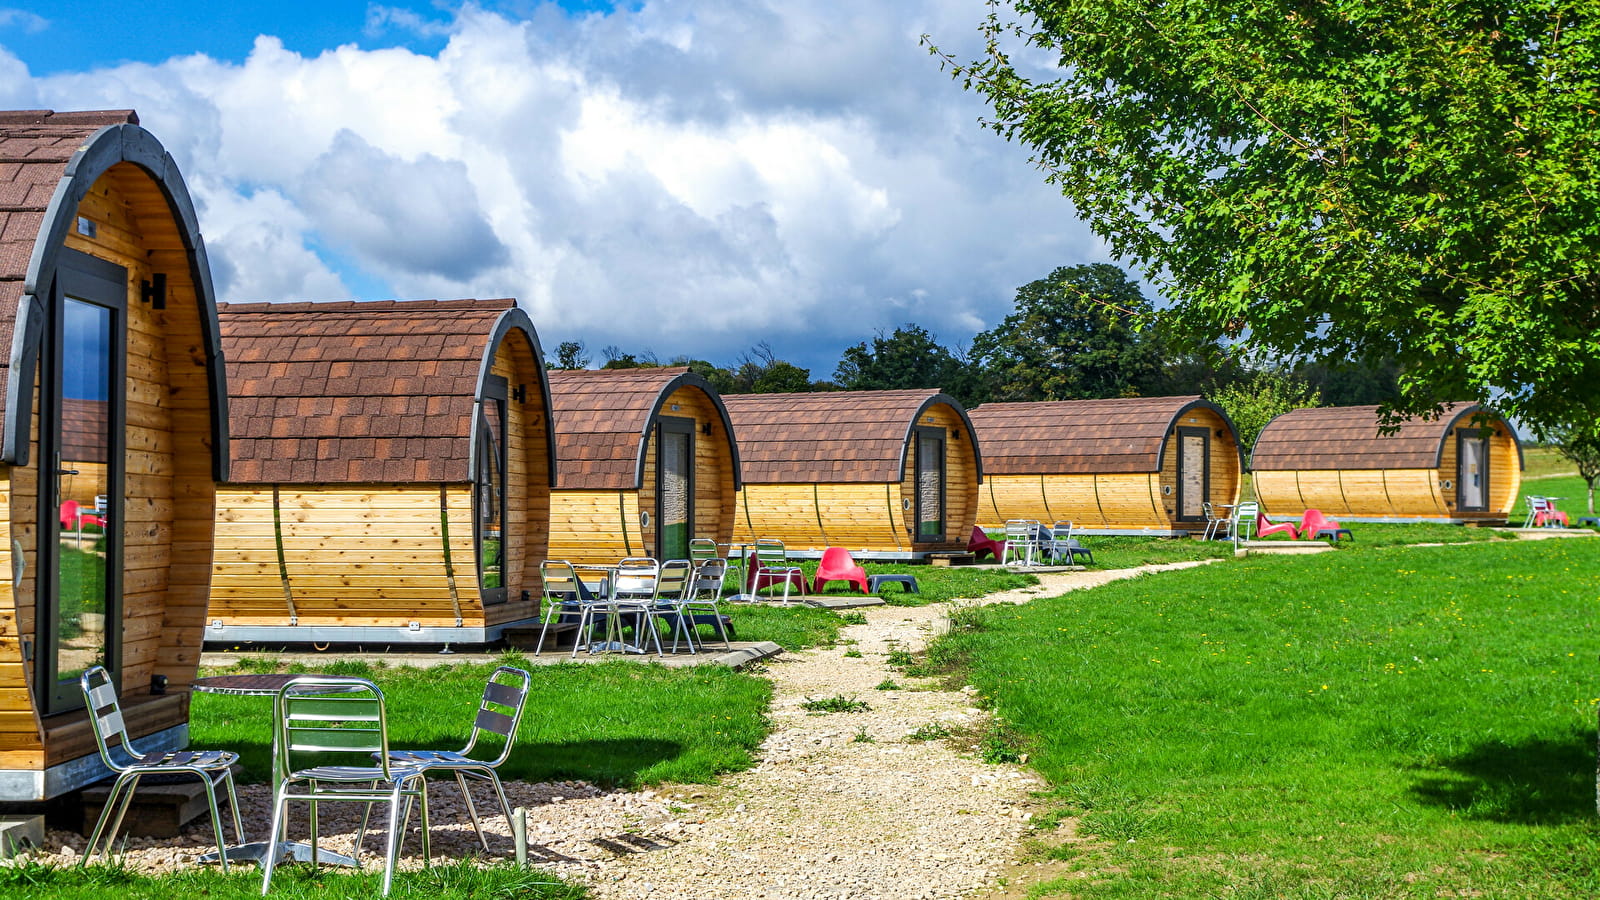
(702, 549)
(565, 594)
(325, 714)
(1021, 540)
(1244, 521)
(674, 583)
(700, 605)
(505, 696)
(772, 568)
(1214, 522)
(1063, 544)
(633, 600)
(212, 767)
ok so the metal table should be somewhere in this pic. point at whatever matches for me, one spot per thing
(265, 685)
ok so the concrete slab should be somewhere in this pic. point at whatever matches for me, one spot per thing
(1281, 548)
(19, 833)
(743, 652)
(1543, 534)
(826, 602)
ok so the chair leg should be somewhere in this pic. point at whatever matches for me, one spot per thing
(122, 812)
(500, 791)
(427, 850)
(105, 814)
(313, 814)
(216, 822)
(280, 803)
(392, 852)
(233, 803)
(472, 810)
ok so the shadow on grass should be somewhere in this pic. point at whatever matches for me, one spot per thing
(1537, 781)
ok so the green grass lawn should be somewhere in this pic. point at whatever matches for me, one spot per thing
(449, 882)
(613, 723)
(1403, 722)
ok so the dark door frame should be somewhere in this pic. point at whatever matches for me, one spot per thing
(673, 425)
(496, 389)
(104, 284)
(943, 436)
(1462, 436)
(1205, 475)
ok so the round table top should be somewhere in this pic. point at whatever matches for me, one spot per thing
(264, 683)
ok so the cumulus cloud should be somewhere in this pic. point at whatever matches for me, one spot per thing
(685, 178)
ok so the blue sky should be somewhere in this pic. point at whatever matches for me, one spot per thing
(686, 177)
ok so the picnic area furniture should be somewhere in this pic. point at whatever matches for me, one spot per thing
(212, 767)
(569, 603)
(769, 567)
(1542, 513)
(1315, 526)
(1022, 541)
(316, 716)
(1264, 527)
(701, 604)
(980, 543)
(505, 696)
(908, 583)
(838, 565)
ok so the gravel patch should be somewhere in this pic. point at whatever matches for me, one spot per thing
(822, 814)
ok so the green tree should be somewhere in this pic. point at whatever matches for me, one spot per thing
(1074, 335)
(571, 355)
(760, 371)
(1406, 179)
(1581, 444)
(911, 357)
(1260, 398)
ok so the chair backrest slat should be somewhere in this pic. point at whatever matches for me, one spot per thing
(675, 580)
(502, 694)
(497, 722)
(318, 739)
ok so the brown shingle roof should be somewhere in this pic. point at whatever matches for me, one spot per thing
(601, 417)
(1346, 437)
(35, 147)
(1079, 437)
(377, 391)
(826, 438)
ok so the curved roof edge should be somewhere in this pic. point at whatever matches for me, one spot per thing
(966, 421)
(110, 145)
(1335, 437)
(686, 379)
(1202, 403)
(515, 318)
(1471, 410)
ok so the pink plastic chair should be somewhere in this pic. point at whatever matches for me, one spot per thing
(1545, 513)
(981, 543)
(73, 517)
(1314, 523)
(838, 565)
(1264, 528)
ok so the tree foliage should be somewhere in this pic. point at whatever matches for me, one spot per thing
(1073, 335)
(911, 357)
(1414, 180)
(1263, 396)
(571, 355)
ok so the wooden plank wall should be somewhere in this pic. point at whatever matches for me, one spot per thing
(368, 554)
(168, 490)
(594, 526)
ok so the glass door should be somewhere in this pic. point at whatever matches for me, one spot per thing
(674, 486)
(930, 485)
(80, 483)
(491, 490)
(1472, 471)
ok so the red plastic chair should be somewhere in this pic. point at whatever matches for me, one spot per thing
(980, 543)
(1314, 524)
(1545, 514)
(1264, 528)
(73, 517)
(838, 565)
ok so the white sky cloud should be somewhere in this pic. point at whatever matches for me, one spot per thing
(682, 178)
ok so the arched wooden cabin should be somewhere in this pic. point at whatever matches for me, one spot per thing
(647, 460)
(1142, 465)
(884, 474)
(1334, 459)
(115, 392)
(391, 473)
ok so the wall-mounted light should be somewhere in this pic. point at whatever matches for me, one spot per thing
(674, 407)
(705, 428)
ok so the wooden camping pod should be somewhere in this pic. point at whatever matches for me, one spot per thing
(1453, 468)
(115, 394)
(885, 474)
(391, 473)
(647, 460)
(1126, 465)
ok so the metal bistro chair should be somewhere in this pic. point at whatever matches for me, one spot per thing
(1215, 524)
(1244, 521)
(674, 584)
(499, 713)
(212, 767)
(327, 714)
(1062, 543)
(1021, 540)
(701, 550)
(633, 598)
(772, 568)
(700, 604)
(564, 595)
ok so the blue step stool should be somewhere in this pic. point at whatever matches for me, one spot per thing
(906, 582)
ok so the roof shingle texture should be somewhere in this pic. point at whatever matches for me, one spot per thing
(1076, 437)
(1346, 437)
(600, 418)
(354, 392)
(824, 438)
(35, 147)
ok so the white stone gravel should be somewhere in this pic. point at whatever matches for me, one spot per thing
(821, 815)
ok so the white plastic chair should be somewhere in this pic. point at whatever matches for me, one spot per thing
(1021, 540)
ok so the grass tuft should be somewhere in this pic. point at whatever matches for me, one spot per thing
(836, 703)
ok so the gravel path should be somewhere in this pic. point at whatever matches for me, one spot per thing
(826, 813)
